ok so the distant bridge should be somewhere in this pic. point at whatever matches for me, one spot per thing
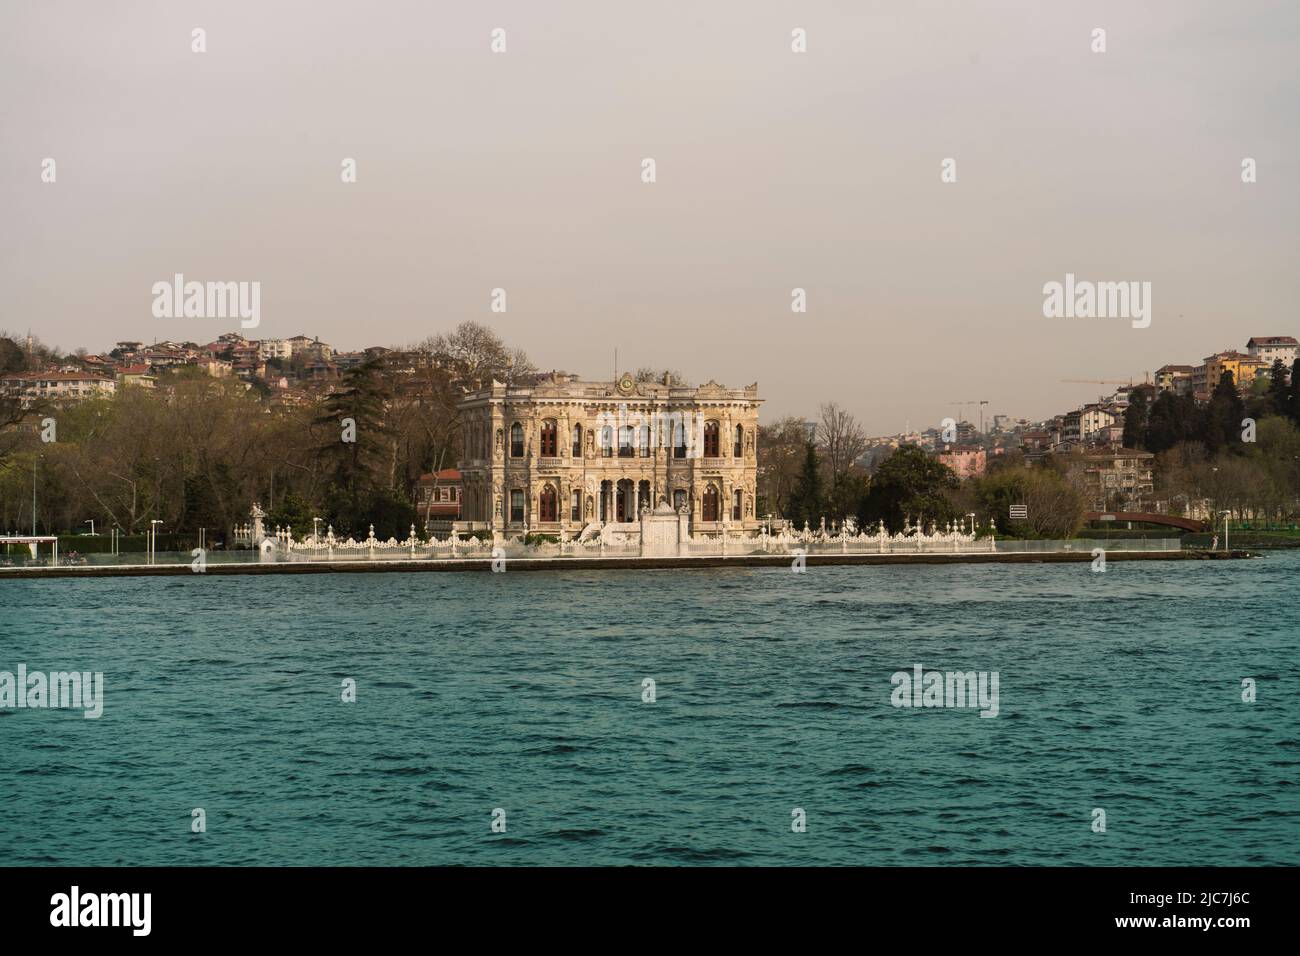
(1147, 517)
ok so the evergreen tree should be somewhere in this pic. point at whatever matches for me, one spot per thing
(356, 445)
(909, 484)
(1293, 393)
(806, 503)
(1279, 391)
(1223, 415)
(1136, 419)
(1173, 418)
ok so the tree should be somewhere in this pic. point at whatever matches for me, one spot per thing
(294, 513)
(1136, 419)
(1293, 395)
(842, 442)
(473, 352)
(1173, 418)
(1279, 390)
(12, 358)
(356, 444)
(806, 502)
(1223, 415)
(780, 457)
(1054, 507)
(909, 485)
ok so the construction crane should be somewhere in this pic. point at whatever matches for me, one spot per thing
(1105, 381)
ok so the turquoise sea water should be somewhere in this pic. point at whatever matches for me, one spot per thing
(523, 691)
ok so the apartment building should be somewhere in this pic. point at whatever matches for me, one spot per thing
(57, 387)
(1207, 375)
(1269, 348)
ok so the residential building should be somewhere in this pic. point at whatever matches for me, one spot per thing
(141, 375)
(966, 461)
(438, 496)
(274, 349)
(313, 348)
(1207, 375)
(1269, 348)
(56, 387)
(1174, 378)
(1116, 479)
(1093, 418)
(1035, 444)
(217, 368)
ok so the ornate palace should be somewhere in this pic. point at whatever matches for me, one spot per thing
(565, 455)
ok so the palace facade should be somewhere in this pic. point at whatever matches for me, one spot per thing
(565, 455)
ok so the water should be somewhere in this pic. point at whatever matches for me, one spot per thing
(1119, 691)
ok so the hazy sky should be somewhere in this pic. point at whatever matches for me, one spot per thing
(775, 170)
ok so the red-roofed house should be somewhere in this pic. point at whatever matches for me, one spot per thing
(1267, 348)
(437, 495)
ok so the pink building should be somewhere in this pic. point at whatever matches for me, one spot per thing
(966, 461)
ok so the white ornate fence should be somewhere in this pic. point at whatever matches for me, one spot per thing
(913, 540)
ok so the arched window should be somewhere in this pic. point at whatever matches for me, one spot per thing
(577, 441)
(679, 439)
(739, 448)
(710, 503)
(575, 506)
(625, 441)
(607, 442)
(679, 499)
(550, 440)
(736, 499)
(516, 440)
(711, 442)
(546, 504)
(645, 441)
(517, 505)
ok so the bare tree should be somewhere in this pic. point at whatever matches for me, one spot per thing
(473, 351)
(841, 441)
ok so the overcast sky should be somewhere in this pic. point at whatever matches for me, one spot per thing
(775, 170)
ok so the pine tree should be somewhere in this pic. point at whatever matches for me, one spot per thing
(1293, 393)
(1165, 423)
(1223, 415)
(1279, 391)
(1136, 420)
(806, 503)
(355, 452)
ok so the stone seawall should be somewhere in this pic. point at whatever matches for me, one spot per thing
(610, 563)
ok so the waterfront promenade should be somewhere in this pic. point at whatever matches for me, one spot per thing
(611, 563)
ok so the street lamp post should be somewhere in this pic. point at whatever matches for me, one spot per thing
(35, 459)
(1224, 515)
(315, 533)
(91, 522)
(153, 539)
(971, 515)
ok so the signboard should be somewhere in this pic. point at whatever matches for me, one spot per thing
(1019, 512)
(1106, 518)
